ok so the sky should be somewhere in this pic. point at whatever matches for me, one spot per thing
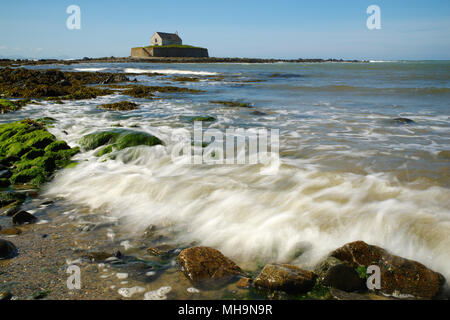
(290, 29)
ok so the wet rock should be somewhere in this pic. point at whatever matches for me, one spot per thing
(11, 231)
(337, 274)
(403, 121)
(258, 113)
(117, 139)
(10, 210)
(337, 294)
(7, 249)
(202, 264)
(244, 283)
(97, 256)
(5, 295)
(5, 174)
(160, 250)
(399, 276)
(285, 277)
(120, 106)
(23, 217)
(8, 197)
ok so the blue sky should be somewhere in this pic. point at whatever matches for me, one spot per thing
(234, 28)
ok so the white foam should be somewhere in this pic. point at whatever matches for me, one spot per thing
(160, 294)
(90, 69)
(129, 292)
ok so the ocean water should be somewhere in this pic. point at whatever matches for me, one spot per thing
(346, 170)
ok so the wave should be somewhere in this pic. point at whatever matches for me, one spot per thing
(170, 71)
(90, 69)
(297, 216)
(344, 88)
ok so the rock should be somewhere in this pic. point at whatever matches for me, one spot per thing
(10, 210)
(244, 283)
(7, 249)
(5, 174)
(11, 231)
(5, 295)
(201, 264)
(160, 250)
(117, 139)
(337, 274)
(23, 217)
(8, 197)
(399, 276)
(258, 113)
(97, 256)
(285, 277)
(403, 121)
(343, 295)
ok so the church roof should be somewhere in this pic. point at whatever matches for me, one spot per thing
(169, 36)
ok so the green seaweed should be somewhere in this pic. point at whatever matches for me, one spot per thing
(117, 139)
(31, 152)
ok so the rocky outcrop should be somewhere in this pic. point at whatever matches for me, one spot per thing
(285, 277)
(23, 217)
(204, 264)
(399, 276)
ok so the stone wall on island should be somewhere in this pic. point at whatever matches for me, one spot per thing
(149, 52)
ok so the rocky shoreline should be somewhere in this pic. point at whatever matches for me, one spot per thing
(25, 62)
(31, 155)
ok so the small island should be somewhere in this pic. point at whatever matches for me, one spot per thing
(164, 44)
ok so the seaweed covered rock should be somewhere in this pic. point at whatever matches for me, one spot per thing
(399, 276)
(31, 153)
(148, 91)
(200, 118)
(234, 104)
(117, 139)
(120, 106)
(10, 106)
(285, 277)
(207, 265)
(54, 84)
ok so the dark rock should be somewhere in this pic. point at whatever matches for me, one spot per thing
(285, 277)
(7, 249)
(8, 197)
(10, 210)
(5, 174)
(23, 217)
(343, 295)
(399, 276)
(258, 113)
(5, 295)
(202, 264)
(403, 121)
(337, 274)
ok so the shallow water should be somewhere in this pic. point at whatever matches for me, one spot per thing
(346, 172)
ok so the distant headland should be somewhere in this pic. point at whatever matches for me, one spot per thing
(28, 62)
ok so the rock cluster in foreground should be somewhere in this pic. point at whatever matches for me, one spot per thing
(342, 274)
